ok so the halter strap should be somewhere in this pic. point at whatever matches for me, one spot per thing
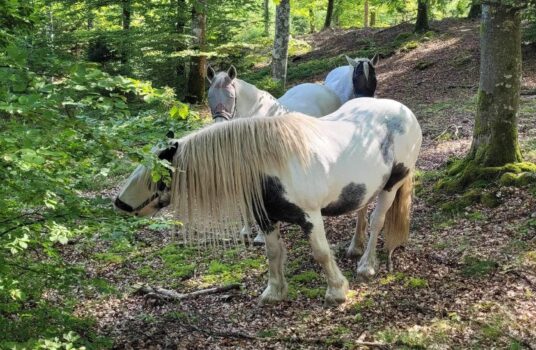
(147, 201)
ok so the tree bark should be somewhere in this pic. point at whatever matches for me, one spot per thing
(180, 69)
(329, 14)
(280, 52)
(126, 13)
(495, 136)
(475, 11)
(90, 15)
(366, 14)
(312, 18)
(197, 76)
(421, 25)
(266, 18)
(373, 18)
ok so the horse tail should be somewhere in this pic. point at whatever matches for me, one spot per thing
(396, 227)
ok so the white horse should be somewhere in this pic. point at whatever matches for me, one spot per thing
(357, 79)
(293, 169)
(230, 97)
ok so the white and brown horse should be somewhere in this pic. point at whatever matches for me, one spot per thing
(293, 169)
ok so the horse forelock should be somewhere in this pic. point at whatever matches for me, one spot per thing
(220, 169)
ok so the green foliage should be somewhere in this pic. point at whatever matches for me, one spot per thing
(65, 137)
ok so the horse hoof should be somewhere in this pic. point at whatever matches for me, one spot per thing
(273, 295)
(354, 253)
(259, 241)
(365, 273)
(336, 296)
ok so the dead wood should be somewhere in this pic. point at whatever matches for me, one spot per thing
(171, 295)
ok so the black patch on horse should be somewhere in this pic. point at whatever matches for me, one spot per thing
(278, 208)
(351, 198)
(169, 152)
(398, 173)
(362, 86)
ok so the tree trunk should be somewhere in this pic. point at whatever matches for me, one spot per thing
(90, 15)
(421, 25)
(182, 18)
(366, 15)
(267, 18)
(329, 14)
(373, 18)
(197, 76)
(126, 13)
(495, 140)
(475, 11)
(280, 53)
(312, 28)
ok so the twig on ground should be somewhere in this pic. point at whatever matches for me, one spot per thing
(171, 295)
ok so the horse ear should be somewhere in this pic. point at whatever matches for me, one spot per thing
(231, 72)
(170, 134)
(210, 73)
(375, 59)
(351, 62)
(169, 152)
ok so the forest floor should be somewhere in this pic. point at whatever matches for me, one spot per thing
(467, 278)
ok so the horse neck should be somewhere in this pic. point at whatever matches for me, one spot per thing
(253, 102)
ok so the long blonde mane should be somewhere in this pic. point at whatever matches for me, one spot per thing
(218, 183)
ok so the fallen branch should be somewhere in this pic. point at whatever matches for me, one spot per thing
(171, 295)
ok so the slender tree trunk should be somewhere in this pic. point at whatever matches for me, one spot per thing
(312, 19)
(180, 69)
(197, 76)
(366, 14)
(90, 15)
(280, 52)
(329, 14)
(476, 10)
(126, 13)
(495, 139)
(267, 18)
(373, 18)
(421, 25)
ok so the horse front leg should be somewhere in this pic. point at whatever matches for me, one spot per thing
(368, 265)
(337, 283)
(357, 245)
(277, 254)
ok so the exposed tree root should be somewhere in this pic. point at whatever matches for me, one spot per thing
(466, 172)
(171, 295)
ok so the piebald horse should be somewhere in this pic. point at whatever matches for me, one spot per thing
(232, 98)
(357, 79)
(294, 169)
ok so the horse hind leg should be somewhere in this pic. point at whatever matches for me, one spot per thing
(368, 264)
(337, 283)
(392, 209)
(276, 252)
(358, 243)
